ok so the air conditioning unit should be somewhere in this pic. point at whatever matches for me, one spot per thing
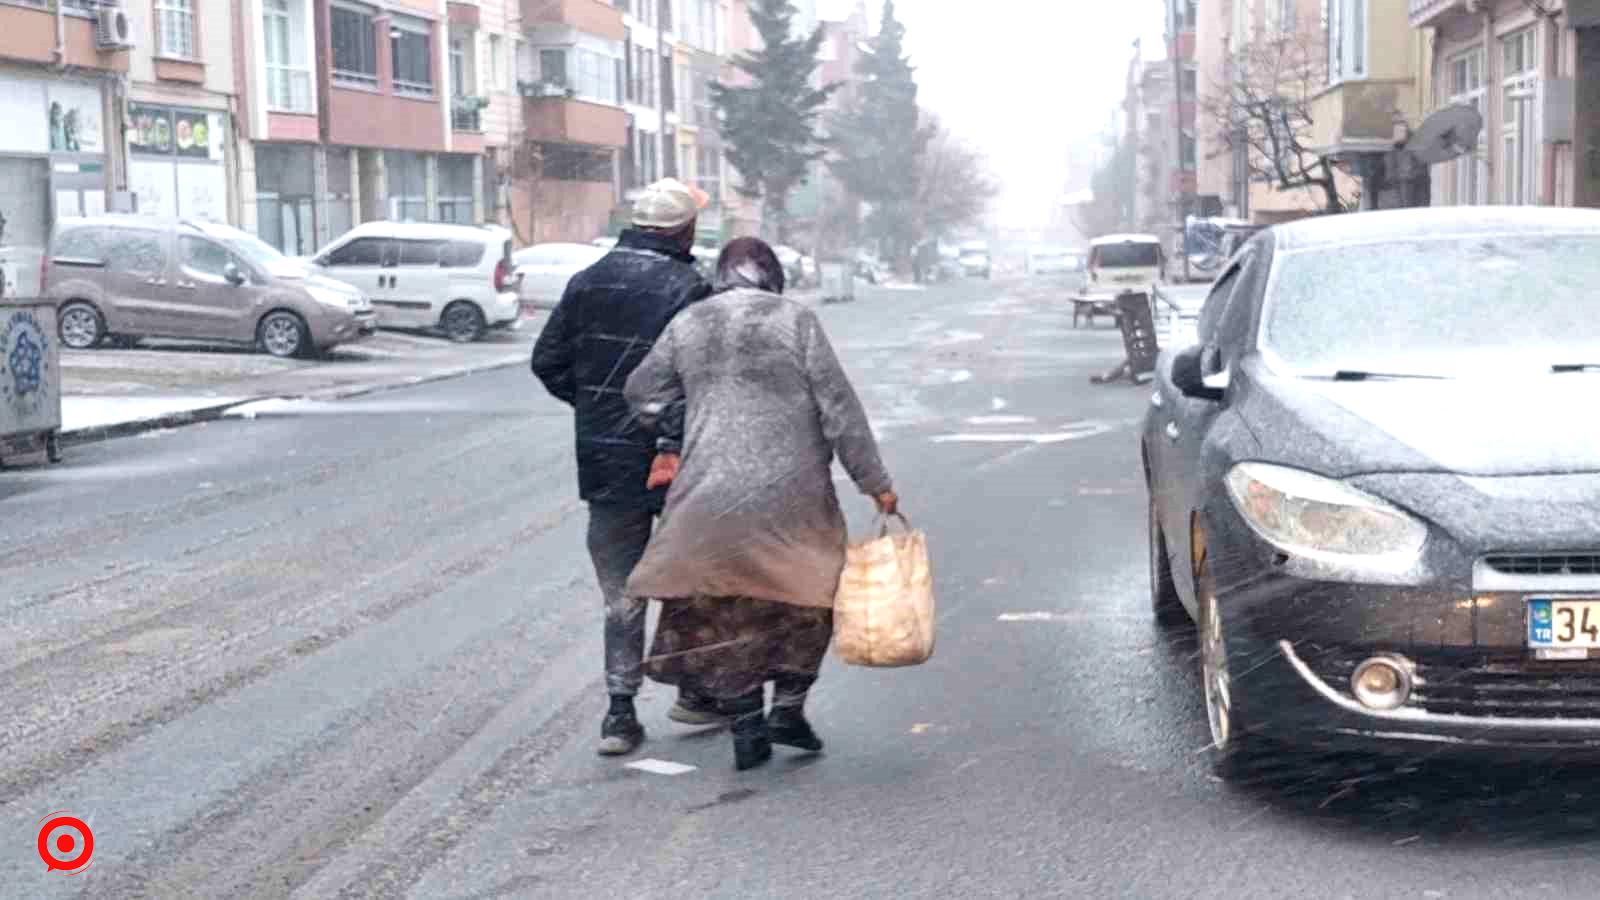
(112, 30)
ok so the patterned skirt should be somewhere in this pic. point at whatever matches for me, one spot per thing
(726, 647)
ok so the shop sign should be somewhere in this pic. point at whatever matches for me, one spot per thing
(171, 131)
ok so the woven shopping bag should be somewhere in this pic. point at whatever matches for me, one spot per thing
(883, 612)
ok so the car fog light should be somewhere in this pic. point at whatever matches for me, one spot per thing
(1382, 682)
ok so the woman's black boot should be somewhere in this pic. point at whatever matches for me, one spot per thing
(787, 723)
(752, 745)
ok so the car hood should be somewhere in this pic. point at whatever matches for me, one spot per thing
(1476, 427)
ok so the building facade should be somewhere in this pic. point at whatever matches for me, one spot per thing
(577, 72)
(62, 90)
(1533, 73)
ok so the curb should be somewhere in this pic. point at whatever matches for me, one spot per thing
(97, 433)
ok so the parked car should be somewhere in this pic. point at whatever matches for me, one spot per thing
(128, 277)
(543, 270)
(974, 260)
(1373, 483)
(427, 275)
(1123, 262)
(1053, 261)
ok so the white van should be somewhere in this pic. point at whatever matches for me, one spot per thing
(1123, 262)
(425, 275)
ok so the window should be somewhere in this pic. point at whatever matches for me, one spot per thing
(571, 162)
(420, 253)
(359, 252)
(88, 245)
(1347, 40)
(355, 45)
(708, 172)
(1468, 175)
(203, 257)
(1519, 135)
(288, 76)
(462, 254)
(458, 67)
(136, 252)
(411, 43)
(553, 67)
(175, 28)
(497, 62)
(1191, 82)
(1186, 152)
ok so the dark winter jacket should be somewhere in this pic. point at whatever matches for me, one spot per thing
(605, 324)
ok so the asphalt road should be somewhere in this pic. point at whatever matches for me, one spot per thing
(353, 650)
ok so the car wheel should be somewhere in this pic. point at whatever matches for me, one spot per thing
(1231, 744)
(283, 334)
(463, 322)
(1164, 600)
(80, 325)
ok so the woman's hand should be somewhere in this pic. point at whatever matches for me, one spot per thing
(888, 503)
(663, 469)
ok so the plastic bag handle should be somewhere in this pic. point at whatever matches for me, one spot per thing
(883, 523)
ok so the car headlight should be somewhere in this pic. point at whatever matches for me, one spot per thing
(336, 299)
(1311, 516)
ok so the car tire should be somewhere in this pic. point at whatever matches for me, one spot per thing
(80, 326)
(463, 322)
(1165, 604)
(283, 334)
(1233, 747)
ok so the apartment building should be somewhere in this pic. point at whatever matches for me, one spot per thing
(61, 71)
(1181, 139)
(356, 111)
(182, 158)
(574, 76)
(649, 94)
(1533, 73)
(1150, 113)
(699, 32)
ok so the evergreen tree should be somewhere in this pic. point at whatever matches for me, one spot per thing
(879, 140)
(770, 124)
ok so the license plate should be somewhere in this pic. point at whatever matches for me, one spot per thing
(1565, 624)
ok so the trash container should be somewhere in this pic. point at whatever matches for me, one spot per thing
(30, 379)
(838, 281)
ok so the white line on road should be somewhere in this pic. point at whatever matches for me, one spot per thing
(1062, 616)
(1001, 420)
(997, 404)
(659, 767)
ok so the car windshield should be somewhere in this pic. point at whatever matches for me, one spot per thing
(1437, 306)
(252, 248)
(1129, 255)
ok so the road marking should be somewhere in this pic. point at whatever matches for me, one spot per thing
(1001, 420)
(921, 727)
(659, 767)
(998, 404)
(1069, 433)
(1046, 616)
(961, 376)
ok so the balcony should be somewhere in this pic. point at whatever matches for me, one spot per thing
(596, 17)
(566, 120)
(466, 113)
(1361, 116)
(1431, 13)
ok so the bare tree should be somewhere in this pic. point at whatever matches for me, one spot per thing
(954, 188)
(1262, 109)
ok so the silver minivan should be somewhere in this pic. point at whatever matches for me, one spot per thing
(120, 278)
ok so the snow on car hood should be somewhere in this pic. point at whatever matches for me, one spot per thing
(1538, 424)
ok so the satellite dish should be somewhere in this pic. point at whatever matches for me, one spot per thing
(1445, 135)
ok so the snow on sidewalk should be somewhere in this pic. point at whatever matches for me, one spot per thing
(86, 413)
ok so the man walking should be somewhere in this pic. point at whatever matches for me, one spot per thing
(605, 324)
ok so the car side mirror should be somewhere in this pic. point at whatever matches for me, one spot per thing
(1189, 377)
(232, 275)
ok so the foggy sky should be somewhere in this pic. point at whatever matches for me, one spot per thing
(1024, 79)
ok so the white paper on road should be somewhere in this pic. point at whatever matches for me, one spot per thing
(659, 767)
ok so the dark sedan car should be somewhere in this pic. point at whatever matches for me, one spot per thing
(1375, 483)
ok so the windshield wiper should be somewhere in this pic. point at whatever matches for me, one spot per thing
(1360, 375)
(1561, 368)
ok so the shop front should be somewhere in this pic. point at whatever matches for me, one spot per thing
(52, 165)
(177, 162)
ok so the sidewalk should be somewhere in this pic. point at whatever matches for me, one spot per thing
(108, 393)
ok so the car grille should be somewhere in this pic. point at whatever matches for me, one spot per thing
(1468, 683)
(1545, 563)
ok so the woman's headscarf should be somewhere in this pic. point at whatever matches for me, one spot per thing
(748, 262)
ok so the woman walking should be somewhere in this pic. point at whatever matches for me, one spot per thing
(751, 407)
